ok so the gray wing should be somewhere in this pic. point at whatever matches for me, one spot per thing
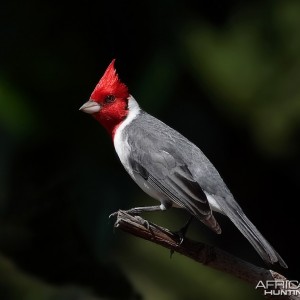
(172, 178)
(184, 175)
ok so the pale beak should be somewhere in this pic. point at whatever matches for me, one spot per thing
(90, 107)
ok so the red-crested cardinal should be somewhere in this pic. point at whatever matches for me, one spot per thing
(166, 165)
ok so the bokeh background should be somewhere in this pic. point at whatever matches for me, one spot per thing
(226, 74)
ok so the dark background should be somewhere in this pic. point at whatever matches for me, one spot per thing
(226, 74)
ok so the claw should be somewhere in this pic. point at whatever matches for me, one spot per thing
(182, 231)
(144, 222)
(114, 214)
(181, 237)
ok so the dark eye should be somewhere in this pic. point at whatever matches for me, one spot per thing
(109, 99)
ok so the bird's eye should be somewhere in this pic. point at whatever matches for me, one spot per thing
(109, 99)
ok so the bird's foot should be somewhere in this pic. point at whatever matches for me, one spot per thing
(181, 233)
(134, 213)
(114, 214)
(143, 222)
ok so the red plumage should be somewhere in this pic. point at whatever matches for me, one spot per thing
(109, 84)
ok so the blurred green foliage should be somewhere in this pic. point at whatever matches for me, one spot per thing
(16, 116)
(225, 74)
(252, 65)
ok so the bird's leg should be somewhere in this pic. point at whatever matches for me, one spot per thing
(138, 210)
(182, 231)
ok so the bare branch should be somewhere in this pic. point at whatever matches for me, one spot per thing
(207, 255)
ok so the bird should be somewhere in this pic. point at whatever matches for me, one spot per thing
(166, 165)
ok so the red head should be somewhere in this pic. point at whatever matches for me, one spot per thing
(109, 101)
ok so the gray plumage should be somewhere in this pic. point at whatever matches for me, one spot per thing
(173, 170)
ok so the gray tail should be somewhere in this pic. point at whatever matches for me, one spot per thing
(246, 227)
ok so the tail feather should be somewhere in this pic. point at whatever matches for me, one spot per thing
(246, 227)
(212, 223)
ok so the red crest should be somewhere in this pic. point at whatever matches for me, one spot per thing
(110, 84)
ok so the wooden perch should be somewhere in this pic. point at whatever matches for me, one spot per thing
(210, 256)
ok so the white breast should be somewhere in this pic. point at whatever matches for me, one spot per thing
(120, 141)
(123, 150)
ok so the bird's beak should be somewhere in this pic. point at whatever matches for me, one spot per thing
(90, 107)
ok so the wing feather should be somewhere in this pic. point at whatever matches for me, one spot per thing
(174, 180)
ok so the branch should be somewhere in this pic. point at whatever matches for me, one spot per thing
(211, 256)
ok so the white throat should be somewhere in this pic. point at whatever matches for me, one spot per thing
(120, 141)
(133, 108)
(133, 111)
